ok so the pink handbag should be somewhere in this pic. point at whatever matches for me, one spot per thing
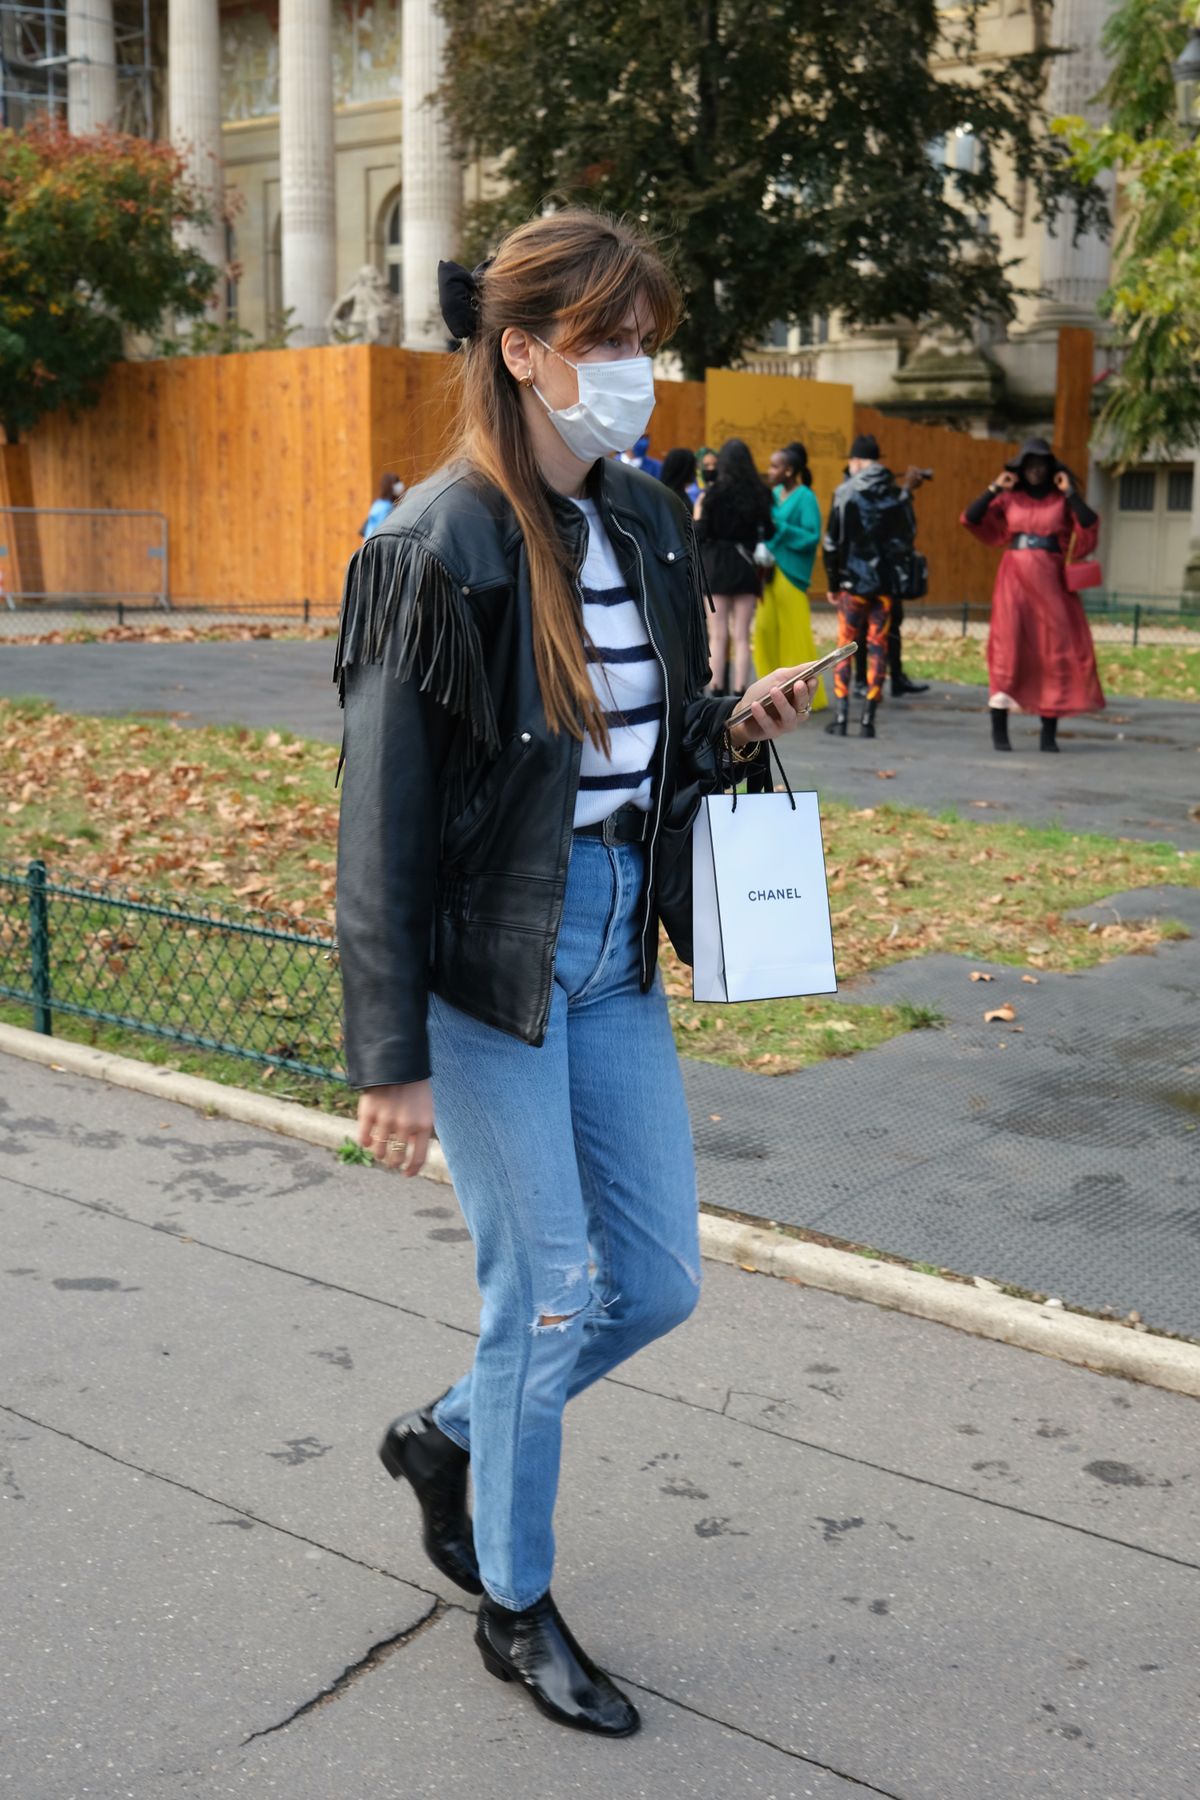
(1083, 574)
(1080, 572)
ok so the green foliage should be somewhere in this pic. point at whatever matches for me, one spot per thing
(784, 147)
(88, 251)
(1152, 399)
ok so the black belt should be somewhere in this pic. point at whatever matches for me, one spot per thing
(1031, 540)
(628, 825)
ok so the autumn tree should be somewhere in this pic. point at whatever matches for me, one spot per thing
(788, 149)
(90, 249)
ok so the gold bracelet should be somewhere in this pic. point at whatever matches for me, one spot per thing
(737, 755)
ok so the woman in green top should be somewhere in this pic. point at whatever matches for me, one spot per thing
(783, 632)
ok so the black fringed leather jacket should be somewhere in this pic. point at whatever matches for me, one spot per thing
(458, 801)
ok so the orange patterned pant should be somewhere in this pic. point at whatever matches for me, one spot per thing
(855, 614)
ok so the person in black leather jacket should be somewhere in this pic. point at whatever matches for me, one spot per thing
(522, 660)
(871, 523)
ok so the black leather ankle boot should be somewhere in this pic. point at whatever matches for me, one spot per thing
(999, 728)
(867, 728)
(436, 1469)
(841, 718)
(1049, 735)
(535, 1648)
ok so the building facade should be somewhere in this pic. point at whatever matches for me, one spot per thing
(314, 127)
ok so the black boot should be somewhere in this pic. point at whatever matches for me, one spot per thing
(1049, 735)
(436, 1468)
(999, 728)
(840, 721)
(867, 728)
(901, 685)
(535, 1648)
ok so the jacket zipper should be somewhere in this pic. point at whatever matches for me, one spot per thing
(662, 771)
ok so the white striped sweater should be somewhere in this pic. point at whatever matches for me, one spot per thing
(627, 677)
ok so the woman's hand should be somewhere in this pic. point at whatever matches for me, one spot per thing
(1004, 481)
(396, 1123)
(785, 715)
(1063, 483)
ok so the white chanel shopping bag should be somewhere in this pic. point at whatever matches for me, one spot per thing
(760, 906)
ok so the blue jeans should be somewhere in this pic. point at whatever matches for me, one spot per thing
(573, 1165)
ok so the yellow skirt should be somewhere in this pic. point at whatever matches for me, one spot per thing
(783, 634)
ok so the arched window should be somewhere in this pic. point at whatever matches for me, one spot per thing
(389, 239)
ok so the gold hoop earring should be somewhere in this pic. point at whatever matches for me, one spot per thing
(527, 379)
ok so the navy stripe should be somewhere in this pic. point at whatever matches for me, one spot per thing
(634, 779)
(635, 715)
(613, 596)
(604, 653)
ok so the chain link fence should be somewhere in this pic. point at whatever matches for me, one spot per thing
(261, 986)
(23, 621)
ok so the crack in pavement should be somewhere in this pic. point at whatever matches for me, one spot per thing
(440, 1608)
(372, 1658)
(845, 1456)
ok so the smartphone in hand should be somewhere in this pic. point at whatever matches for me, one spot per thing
(788, 687)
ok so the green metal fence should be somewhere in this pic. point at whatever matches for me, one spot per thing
(257, 985)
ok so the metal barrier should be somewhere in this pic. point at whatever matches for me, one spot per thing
(256, 985)
(82, 554)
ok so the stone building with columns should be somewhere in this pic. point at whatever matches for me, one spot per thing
(315, 120)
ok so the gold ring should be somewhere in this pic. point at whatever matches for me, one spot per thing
(396, 1143)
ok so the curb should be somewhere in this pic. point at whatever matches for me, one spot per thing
(982, 1311)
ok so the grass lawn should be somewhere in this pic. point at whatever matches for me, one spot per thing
(230, 814)
(1151, 672)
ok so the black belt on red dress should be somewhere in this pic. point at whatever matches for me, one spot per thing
(628, 825)
(1032, 540)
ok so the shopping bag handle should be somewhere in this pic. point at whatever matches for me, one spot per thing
(787, 786)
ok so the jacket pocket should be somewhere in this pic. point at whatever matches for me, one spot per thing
(462, 831)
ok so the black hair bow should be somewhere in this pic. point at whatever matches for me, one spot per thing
(458, 297)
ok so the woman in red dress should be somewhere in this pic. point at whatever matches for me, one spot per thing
(1040, 653)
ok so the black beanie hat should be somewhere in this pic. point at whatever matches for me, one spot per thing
(865, 448)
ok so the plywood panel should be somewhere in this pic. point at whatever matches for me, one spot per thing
(960, 568)
(678, 420)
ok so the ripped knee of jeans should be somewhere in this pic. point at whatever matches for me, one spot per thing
(561, 1312)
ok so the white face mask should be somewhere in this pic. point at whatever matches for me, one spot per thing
(614, 406)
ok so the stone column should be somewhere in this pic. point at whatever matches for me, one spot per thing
(306, 168)
(1075, 274)
(431, 177)
(194, 104)
(91, 66)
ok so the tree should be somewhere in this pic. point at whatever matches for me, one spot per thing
(1152, 399)
(89, 249)
(786, 148)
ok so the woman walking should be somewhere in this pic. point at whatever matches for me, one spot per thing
(733, 516)
(782, 623)
(522, 661)
(1040, 652)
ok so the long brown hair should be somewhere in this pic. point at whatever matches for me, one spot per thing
(578, 271)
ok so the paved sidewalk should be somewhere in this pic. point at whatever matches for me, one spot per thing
(833, 1552)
